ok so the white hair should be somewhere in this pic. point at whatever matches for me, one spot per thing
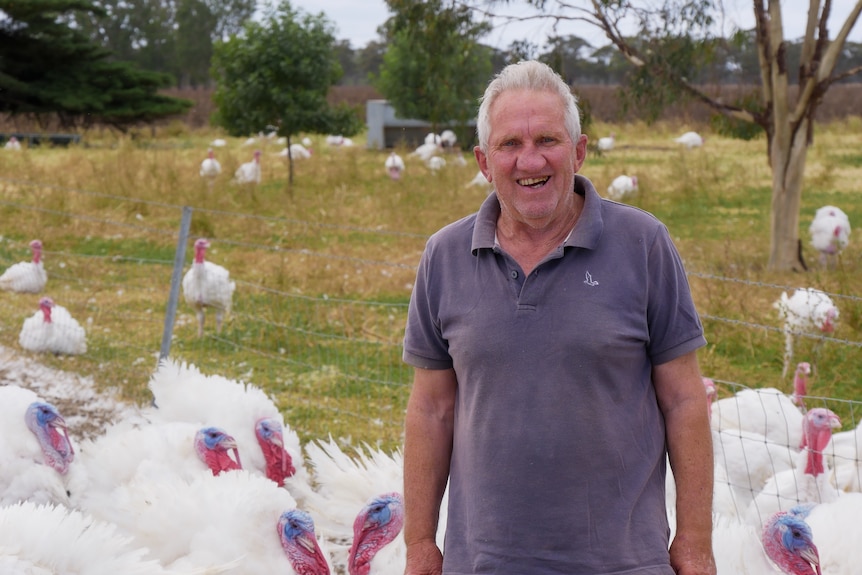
(527, 75)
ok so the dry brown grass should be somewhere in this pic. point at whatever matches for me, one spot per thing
(346, 231)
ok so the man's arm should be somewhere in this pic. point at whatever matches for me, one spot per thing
(682, 399)
(427, 449)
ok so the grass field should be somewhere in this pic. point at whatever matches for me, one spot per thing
(331, 259)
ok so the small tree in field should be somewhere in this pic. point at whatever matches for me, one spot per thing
(277, 73)
(434, 68)
(672, 41)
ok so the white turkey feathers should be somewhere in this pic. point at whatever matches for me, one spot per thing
(36, 452)
(690, 140)
(296, 151)
(12, 144)
(346, 481)
(607, 143)
(844, 456)
(134, 450)
(52, 329)
(807, 312)
(210, 167)
(623, 187)
(182, 393)
(809, 481)
(249, 172)
(394, 165)
(46, 540)
(208, 520)
(830, 232)
(26, 277)
(207, 285)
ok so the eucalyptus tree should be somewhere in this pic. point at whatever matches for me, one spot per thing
(434, 68)
(674, 39)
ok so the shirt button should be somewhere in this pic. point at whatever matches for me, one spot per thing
(514, 274)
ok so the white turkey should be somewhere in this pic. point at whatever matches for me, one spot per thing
(830, 232)
(835, 527)
(338, 141)
(375, 531)
(210, 167)
(809, 482)
(346, 482)
(207, 285)
(744, 461)
(789, 542)
(394, 165)
(234, 518)
(427, 150)
(35, 450)
(26, 277)
(480, 180)
(765, 411)
(690, 140)
(249, 172)
(296, 151)
(623, 188)
(436, 163)
(607, 143)
(12, 144)
(44, 539)
(130, 451)
(738, 549)
(844, 455)
(268, 447)
(52, 329)
(807, 312)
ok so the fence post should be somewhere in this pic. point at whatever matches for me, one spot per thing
(176, 280)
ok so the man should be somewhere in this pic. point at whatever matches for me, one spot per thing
(554, 342)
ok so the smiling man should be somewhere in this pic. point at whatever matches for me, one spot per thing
(554, 339)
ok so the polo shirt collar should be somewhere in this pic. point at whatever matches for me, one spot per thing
(587, 232)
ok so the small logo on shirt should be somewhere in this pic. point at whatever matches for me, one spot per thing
(588, 279)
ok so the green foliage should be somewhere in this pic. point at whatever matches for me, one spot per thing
(434, 69)
(49, 68)
(733, 128)
(277, 74)
(174, 37)
(669, 62)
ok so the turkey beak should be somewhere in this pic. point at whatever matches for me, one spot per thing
(811, 555)
(307, 542)
(60, 425)
(230, 444)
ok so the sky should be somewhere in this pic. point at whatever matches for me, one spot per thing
(357, 21)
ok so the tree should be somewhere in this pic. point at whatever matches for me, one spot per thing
(277, 73)
(170, 36)
(673, 41)
(434, 69)
(50, 69)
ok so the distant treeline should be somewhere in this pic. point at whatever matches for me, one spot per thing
(603, 102)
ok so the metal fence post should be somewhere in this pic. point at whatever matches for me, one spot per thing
(176, 280)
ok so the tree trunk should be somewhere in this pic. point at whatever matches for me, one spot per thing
(788, 168)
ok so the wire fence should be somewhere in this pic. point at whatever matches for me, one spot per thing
(316, 321)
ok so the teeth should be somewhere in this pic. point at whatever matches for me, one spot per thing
(532, 181)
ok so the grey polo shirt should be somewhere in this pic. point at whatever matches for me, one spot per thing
(559, 451)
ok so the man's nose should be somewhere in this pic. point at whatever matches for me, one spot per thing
(531, 158)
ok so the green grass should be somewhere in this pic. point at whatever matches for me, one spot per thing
(324, 270)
